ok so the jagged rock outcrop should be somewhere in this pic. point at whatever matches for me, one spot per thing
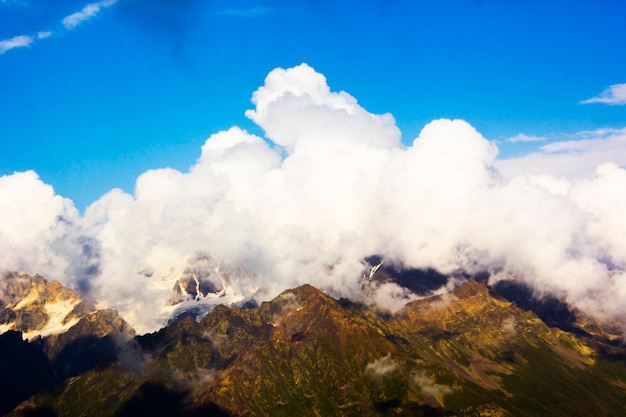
(48, 334)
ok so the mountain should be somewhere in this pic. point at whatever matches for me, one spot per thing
(49, 333)
(469, 352)
(37, 307)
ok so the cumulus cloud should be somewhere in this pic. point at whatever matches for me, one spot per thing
(613, 95)
(328, 185)
(41, 231)
(21, 41)
(87, 12)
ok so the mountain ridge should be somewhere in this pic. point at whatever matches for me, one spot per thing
(467, 352)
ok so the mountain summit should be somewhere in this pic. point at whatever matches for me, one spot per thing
(468, 352)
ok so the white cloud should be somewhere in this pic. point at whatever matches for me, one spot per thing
(15, 42)
(614, 95)
(88, 12)
(508, 325)
(22, 41)
(382, 366)
(521, 137)
(330, 119)
(35, 225)
(69, 22)
(336, 186)
(44, 34)
(430, 388)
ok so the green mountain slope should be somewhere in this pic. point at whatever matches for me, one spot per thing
(466, 353)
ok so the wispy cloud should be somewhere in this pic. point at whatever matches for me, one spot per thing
(526, 138)
(88, 12)
(577, 156)
(245, 13)
(21, 41)
(69, 23)
(614, 95)
(589, 140)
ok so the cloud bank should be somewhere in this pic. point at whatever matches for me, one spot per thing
(329, 185)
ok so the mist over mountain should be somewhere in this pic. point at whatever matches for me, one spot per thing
(328, 186)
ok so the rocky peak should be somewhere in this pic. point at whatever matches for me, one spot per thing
(203, 280)
(306, 294)
(37, 307)
(470, 288)
(40, 308)
(22, 288)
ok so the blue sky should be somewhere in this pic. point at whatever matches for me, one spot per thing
(94, 94)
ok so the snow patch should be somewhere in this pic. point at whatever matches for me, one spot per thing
(6, 327)
(56, 312)
(32, 296)
(200, 303)
(375, 268)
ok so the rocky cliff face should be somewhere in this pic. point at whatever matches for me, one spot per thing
(48, 334)
(469, 352)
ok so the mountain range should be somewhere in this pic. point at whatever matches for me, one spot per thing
(476, 350)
